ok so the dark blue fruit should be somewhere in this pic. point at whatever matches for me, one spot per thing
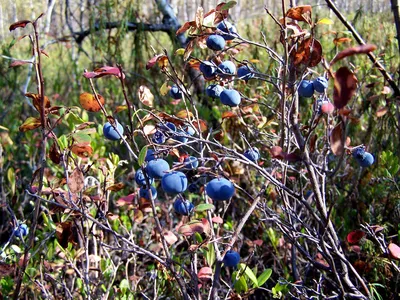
(193, 188)
(245, 73)
(112, 134)
(150, 155)
(320, 84)
(158, 137)
(226, 69)
(180, 136)
(215, 42)
(140, 179)
(252, 154)
(157, 168)
(230, 97)
(144, 193)
(21, 230)
(183, 207)
(220, 189)
(189, 130)
(175, 92)
(363, 158)
(208, 69)
(226, 27)
(306, 89)
(191, 162)
(231, 259)
(174, 182)
(214, 90)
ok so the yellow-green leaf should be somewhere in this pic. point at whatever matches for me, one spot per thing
(180, 51)
(164, 89)
(325, 21)
(30, 124)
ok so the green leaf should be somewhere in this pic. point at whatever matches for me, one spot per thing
(204, 206)
(249, 274)
(228, 5)
(11, 179)
(198, 237)
(124, 286)
(325, 21)
(240, 284)
(142, 156)
(264, 277)
(81, 138)
(210, 256)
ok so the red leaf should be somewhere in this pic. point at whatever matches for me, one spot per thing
(362, 49)
(126, 200)
(394, 251)
(19, 24)
(277, 152)
(345, 87)
(103, 71)
(355, 236)
(17, 63)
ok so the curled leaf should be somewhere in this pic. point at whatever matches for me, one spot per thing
(17, 63)
(355, 236)
(361, 49)
(103, 71)
(19, 24)
(82, 150)
(345, 86)
(300, 13)
(30, 124)
(145, 96)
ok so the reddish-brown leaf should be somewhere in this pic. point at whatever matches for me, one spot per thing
(345, 86)
(36, 101)
(126, 200)
(17, 63)
(6, 269)
(152, 61)
(300, 13)
(394, 251)
(185, 27)
(76, 181)
(19, 24)
(337, 140)
(82, 149)
(338, 41)
(103, 71)
(228, 114)
(220, 13)
(361, 49)
(54, 154)
(116, 187)
(355, 236)
(89, 102)
(309, 53)
(277, 152)
(170, 237)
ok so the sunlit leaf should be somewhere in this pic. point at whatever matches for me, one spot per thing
(264, 277)
(82, 150)
(300, 13)
(89, 102)
(30, 124)
(145, 96)
(361, 49)
(204, 206)
(325, 21)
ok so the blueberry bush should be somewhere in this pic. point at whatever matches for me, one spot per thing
(279, 180)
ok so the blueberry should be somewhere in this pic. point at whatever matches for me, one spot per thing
(220, 189)
(191, 162)
(140, 178)
(252, 154)
(215, 42)
(159, 137)
(245, 73)
(358, 153)
(168, 126)
(21, 230)
(144, 193)
(230, 97)
(183, 207)
(180, 136)
(214, 90)
(226, 69)
(193, 188)
(189, 130)
(367, 160)
(226, 27)
(156, 168)
(150, 155)
(231, 259)
(320, 84)
(306, 89)
(174, 182)
(112, 134)
(208, 69)
(175, 92)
